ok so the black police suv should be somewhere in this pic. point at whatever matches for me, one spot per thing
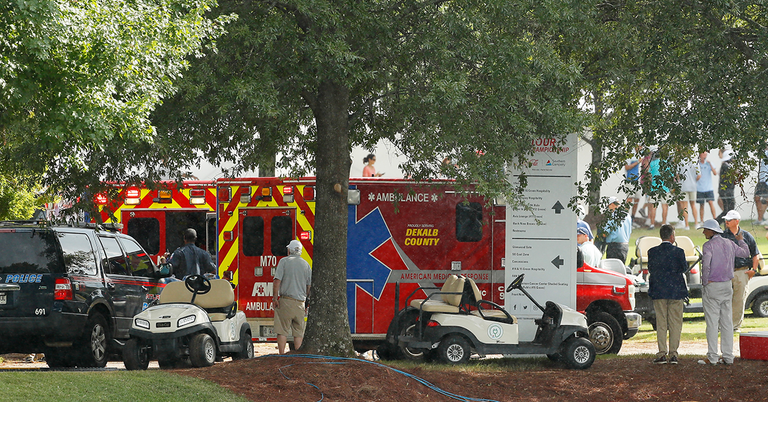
(71, 292)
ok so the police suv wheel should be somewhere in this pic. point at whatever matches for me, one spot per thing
(92, 346)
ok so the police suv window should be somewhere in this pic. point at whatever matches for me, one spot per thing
(469, 222)
(115, 262)
(33, 251)
(138, 261)
(78, 254)
(253, 236)
(147, 232)
(282, 234)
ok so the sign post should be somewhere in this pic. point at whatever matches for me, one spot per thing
(541, 240)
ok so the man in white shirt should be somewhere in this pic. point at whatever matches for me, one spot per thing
(591, 253)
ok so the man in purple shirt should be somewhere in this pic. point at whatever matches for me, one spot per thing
(718, 255)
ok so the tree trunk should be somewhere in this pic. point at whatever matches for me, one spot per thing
(328, 322)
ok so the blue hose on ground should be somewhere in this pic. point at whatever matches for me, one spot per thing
(342, 360)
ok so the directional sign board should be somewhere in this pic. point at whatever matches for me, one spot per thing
(541, 240)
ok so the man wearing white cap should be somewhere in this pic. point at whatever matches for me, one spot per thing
(718, 256)
(293, 278)
(591, 253)
(743, 267)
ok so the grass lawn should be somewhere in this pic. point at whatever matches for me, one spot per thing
(117, 386)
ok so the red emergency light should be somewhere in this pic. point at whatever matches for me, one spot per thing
(225, 194)
(305, 235)
(288, 194)
(100, 199)
(197, 196)
(132, 196)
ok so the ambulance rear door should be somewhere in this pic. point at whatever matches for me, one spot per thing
(264, 234)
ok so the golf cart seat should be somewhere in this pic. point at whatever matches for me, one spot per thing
(685, 243)
(447, 300)
(494, 314)
(641, 249)
(218, 302)
(613, 264)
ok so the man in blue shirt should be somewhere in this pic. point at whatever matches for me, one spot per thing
(617, 233)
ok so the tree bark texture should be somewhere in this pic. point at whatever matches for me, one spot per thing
(328, 330)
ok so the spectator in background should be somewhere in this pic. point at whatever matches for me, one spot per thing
(658, 187)
(617, 233)
(727, 184)
(368, 169)
(761, 189)
(705, 192)
(743, 268)
(632, 176)
(589, 251)
(688, 175)
(668, 290)
(717, 258)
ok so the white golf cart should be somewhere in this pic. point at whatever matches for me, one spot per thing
(195, 322)
(454, 322)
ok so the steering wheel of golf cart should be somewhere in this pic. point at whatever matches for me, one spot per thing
(516, 283)
(197, 284)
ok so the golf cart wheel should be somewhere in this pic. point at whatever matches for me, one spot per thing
(246, 346)
(135, 355)
(578, 353)
(760, 306)
(92, 347)
(454, 350)
(605, 333)
(202, 350)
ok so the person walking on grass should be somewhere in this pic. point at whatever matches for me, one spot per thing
(718, 256)
(667, 289)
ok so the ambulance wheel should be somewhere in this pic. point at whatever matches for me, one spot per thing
(760, 306)
(135, 356)
(605, 333)
(202, 350)
(454, 350)
(578, 353)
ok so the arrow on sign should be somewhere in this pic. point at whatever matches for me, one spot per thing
(558, 261)
(558, 207)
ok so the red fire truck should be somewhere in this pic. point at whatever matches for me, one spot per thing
(157, 217)
(402, 236)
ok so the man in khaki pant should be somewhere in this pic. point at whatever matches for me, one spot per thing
(667, 289)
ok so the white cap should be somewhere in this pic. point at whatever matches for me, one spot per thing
(731, 215)
(614, 200)
(711, 224)
(294, 247)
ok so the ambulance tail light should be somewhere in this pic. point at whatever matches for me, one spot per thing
(245, 194)
(225, 194)
(197, 196)
(132, 196)
(288, 194)
(309, 193)
(305, 235)
(164, 196)
(63, 289)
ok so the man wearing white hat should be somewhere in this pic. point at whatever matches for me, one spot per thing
(718, 256)
(293, 278)
(743, 267)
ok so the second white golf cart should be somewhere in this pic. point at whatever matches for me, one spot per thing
(454, 322)
(195, 322)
